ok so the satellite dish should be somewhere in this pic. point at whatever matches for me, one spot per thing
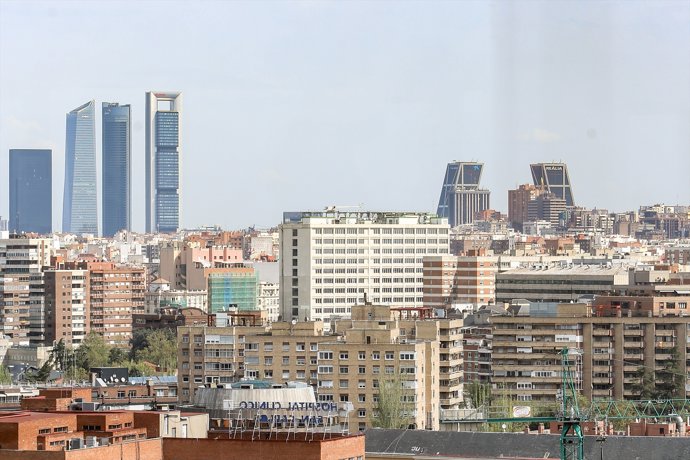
(294, 321)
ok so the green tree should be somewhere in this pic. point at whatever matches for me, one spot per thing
(478, 394)
(60, 355)
(117, 357)
(390, 410)
(41, 375)
(645, 386)
(670, 381)
(139, 369)
(161, 349)
(5, 376)
(93, 352)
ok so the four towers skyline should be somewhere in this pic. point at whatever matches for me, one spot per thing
(30, 179)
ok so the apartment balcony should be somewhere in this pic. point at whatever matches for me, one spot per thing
(633, 333)
(664, 344)
(603, 380)
(633, 344)
(602, 332)
(633, 356)
(665, 333)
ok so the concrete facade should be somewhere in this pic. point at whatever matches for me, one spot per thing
(331, 260)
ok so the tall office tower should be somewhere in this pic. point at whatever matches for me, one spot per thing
(518, 201)
(461, 197)
(117, 168)
(331, 260)
(163, 161)
(22, 314)
(553, 177)
(31, 191)
(79, 207)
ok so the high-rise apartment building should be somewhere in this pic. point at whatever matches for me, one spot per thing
(547, 207)
(163, 112)
(461, 197)
(554, 178)
(22, 303)
(208, 355)
(116, 292)
(518, 203)
(79, 208)
(116, 167)
(608, 351)
(31, 191)
(331, 260)
(67, 306)
(453, 280)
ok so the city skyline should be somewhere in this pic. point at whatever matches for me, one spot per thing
(274, 109)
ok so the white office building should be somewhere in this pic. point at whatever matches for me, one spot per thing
(330, 260)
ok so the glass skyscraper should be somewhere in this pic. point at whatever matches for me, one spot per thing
(163, 161)
(79, 207)
(31, 191)
(117, 168)
(461, 198)
(554, 178)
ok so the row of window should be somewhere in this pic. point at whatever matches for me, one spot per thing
(378, 231)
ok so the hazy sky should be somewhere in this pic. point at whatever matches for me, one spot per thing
(299, 105)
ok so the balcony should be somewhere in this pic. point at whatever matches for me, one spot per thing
(602, 332)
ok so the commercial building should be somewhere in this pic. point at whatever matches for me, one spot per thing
(331, 260)
(31, 191)
(459, 280)
(163, 112)
(117, 168)
(461, 198)
(609, 351)
(554, 178)
(79, 208)
(22, 302)
(558, 283)
(67, 306)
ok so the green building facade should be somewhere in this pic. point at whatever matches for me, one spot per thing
(232, 288)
